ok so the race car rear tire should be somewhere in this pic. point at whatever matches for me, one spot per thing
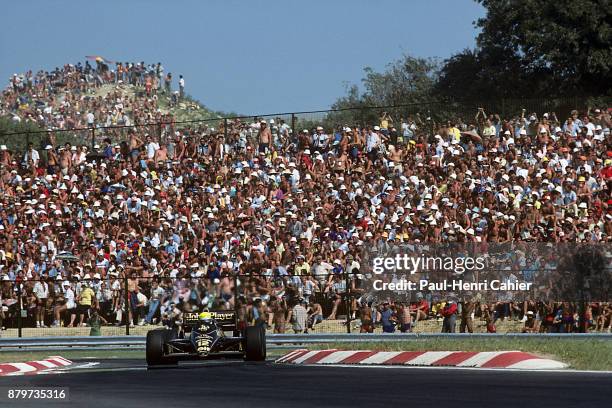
(255, 343)
(155, 347)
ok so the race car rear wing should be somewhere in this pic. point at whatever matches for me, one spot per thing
(226, 319)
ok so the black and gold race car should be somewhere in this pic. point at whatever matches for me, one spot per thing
(202, 336)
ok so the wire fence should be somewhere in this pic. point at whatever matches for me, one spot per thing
(431, 114)
(129, 304)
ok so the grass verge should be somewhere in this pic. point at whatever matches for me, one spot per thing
(588, 354)
(23, 356)
(20, 357)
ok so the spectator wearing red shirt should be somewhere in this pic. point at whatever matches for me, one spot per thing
(606, 172)
(450, 317)
(420, 309)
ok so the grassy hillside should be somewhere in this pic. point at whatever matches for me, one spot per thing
(188, 109)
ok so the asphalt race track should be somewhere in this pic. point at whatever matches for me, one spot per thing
(128, 383)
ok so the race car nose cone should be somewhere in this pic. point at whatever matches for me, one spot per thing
(203, 343)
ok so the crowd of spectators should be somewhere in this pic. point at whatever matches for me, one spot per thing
(526, 317)
(166, 221)
(67, 98)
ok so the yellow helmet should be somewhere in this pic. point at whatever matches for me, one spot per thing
(205, 315)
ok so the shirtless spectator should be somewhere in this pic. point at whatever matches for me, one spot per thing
(278, 314)
(161, 155)
(315, 314)
(366, 317)
(404, 318)
(65, 158)
(264, 138)
(134, 145)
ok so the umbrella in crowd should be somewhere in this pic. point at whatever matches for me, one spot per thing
(98, 58)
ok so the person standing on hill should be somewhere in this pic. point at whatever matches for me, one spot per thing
(159, 72)
(181, 87)
(148, 84)
(168, 82)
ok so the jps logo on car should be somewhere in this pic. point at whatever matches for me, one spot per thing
(203, 345)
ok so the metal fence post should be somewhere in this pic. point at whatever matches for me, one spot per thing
(293, 122)
(236, 296)
(127, 305)
(225, 130)
(19, 322)
(348, 301)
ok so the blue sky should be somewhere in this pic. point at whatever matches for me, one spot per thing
(244, 56)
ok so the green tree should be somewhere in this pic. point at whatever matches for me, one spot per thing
(484, 75)
(16, 135)
(409, 80)
(553, 46)
(526, 48)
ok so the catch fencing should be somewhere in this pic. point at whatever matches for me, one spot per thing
(129, 304)
(134, 304)
(277, 341)
(428, 115)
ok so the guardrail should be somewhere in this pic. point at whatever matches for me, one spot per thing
(68, 342)
(386, 337)
(138, 342)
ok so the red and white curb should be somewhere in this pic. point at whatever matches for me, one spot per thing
(33, 367)
(486, 359)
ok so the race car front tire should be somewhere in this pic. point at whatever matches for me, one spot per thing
(255, 343)
(155, 347)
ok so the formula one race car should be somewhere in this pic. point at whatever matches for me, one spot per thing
(202, 336)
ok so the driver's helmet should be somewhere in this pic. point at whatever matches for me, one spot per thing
(205, 316)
